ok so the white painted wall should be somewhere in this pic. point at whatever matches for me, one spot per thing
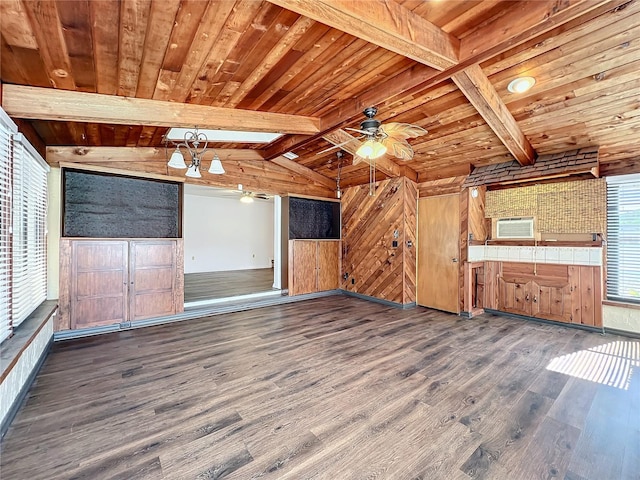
(223, 234)
(621, 318)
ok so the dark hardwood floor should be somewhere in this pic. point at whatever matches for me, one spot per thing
(214, 285)
(334, 388)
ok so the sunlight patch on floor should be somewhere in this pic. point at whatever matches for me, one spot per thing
(608, 364)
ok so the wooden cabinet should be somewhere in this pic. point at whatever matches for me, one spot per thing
(314, 266)
(103, 282)
(562, 293)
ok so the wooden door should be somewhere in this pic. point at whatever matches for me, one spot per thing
(152, 278)
(99, 283)
(439, 252)
(302, 266)
(328, 265)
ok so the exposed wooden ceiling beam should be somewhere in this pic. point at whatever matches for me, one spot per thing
(483, 96)
(56, 155)
(472, 52)
(387, 24)
(368, 20)
(51, 104)
(384, 163)
(304, 172)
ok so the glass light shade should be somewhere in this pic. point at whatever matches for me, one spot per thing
(216, 166)
(521, 84)
(371, 149)
(246, 199)
(177, 160)
(193, 171)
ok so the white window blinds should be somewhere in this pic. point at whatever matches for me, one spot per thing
(29, 263)
(7, 129)
(623, 238)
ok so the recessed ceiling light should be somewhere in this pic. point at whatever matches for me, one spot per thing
(232, 136)
(521, 84)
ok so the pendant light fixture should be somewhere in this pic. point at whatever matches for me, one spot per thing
(196, 144)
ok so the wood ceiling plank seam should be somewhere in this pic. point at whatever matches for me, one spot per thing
(297, 31)
(330, 64)
(162, 19)
(213, 20)
(612, 78)
(480, 92)
(104, 15)
(362, 77)
(146, 135)
(76, 30)
(245, 29)
(132, 136)
(395, 28)
(47, 29)
(307, 59)
(274, 25)
(349, 72)
(520, 22)
(561, 115)
(134, 17)
(15, 26)
(476, 14)
(571, 33)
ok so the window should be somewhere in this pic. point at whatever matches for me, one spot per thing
(623, 238)
(23, 242)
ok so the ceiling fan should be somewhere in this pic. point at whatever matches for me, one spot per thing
(379, 138)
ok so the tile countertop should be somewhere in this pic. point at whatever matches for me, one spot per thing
(562, 255)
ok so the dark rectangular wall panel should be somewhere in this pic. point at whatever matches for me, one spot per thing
(111, 206)
(313, 219)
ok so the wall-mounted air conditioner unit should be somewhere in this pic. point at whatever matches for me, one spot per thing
(514, 228)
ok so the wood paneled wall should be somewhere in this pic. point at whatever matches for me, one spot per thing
(372, 265)
(410, 235)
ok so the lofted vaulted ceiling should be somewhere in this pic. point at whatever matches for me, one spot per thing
(308, 68)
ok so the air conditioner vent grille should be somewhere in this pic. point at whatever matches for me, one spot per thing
(515, 228)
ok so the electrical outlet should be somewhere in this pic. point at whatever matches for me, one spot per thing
(394, 244)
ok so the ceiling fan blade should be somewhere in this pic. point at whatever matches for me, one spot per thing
(402, 130)
(364, 132)
(398, 147)
(336, 146)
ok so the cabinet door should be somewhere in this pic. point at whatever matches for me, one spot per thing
(99, 283)
(514, 296)
(328, 265)
(551, 302)
(152, 278)
(302, 266)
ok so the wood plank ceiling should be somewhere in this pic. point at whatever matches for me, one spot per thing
(309, 68)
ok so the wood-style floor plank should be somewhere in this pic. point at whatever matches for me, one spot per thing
(215, 285)
(333, 388)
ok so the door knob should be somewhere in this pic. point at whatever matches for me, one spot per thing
(454, 260)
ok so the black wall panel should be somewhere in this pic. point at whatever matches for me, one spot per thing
(111, 206)
(314, 219)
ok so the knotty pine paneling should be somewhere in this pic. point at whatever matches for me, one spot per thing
(478, 225)
(374, 267)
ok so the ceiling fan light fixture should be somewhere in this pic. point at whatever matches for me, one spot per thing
(216, 167)
(521, 84)
(246, 198)
(371, 149)
(177, 160)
